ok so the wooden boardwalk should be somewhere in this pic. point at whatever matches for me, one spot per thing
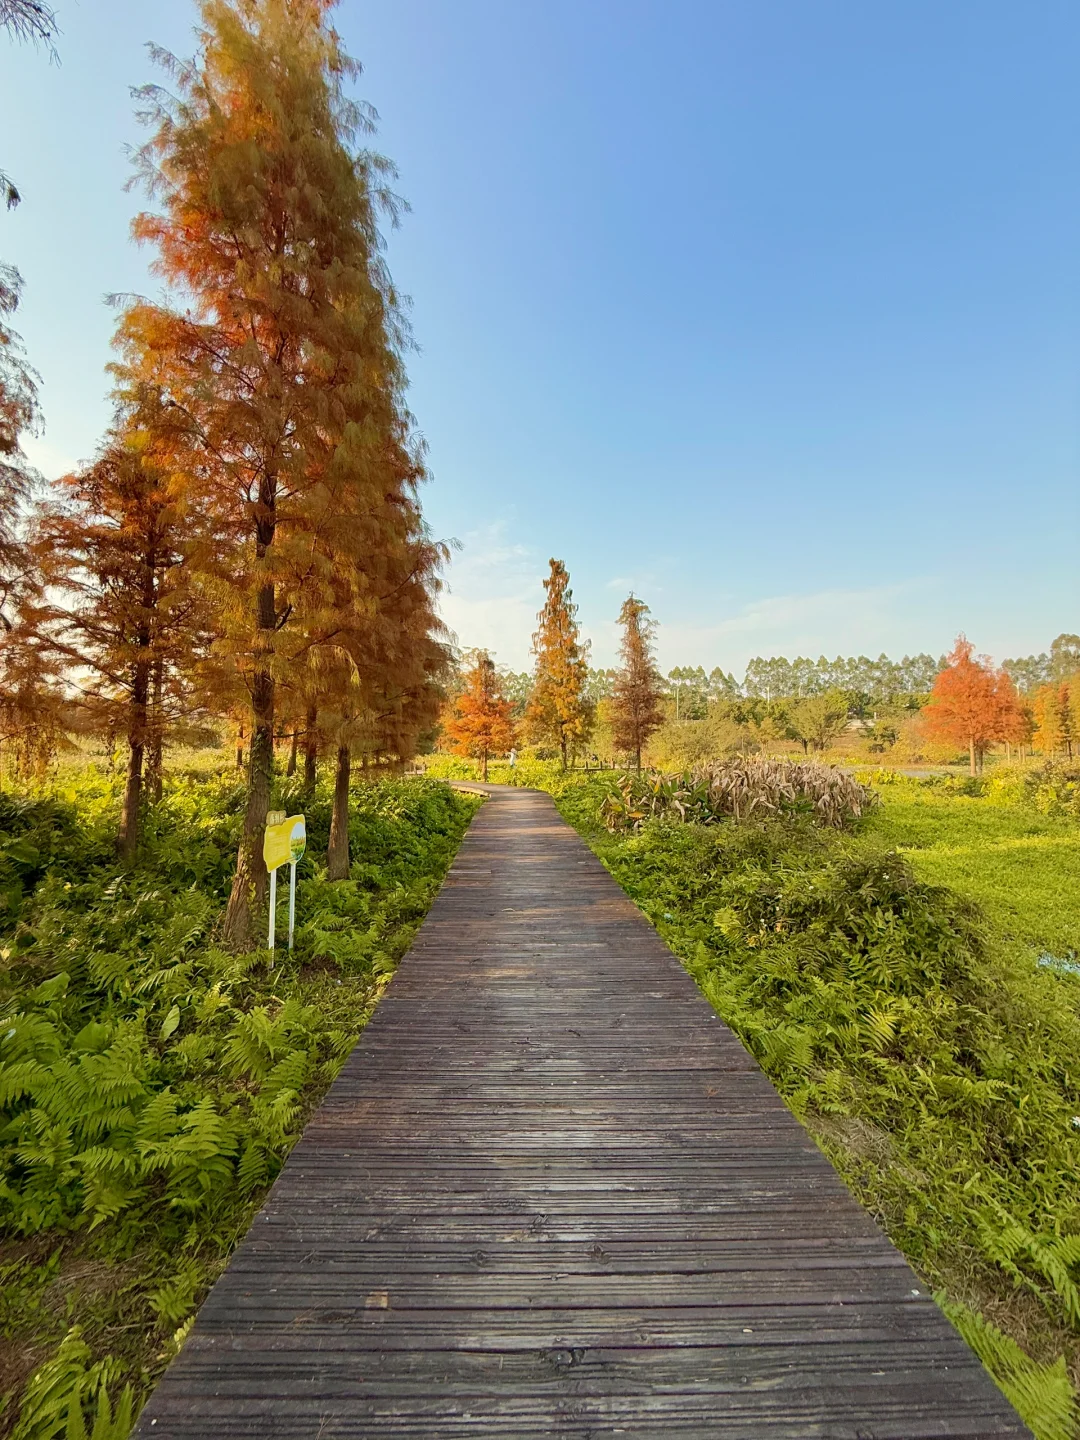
(551, 1195)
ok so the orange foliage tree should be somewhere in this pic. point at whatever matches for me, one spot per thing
(117, 602)
(280, 354)
(481, 723)
(635, 702)
(972, 704)
(559, 710)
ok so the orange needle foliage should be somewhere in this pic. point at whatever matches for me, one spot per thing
(973, 705)
(559, 710)
(635, 705)
(117, 600)
(481, 724)
(280, 359)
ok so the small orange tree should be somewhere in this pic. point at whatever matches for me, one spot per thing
(971, 703)
(559, 711)
(481, 724)
(635, 701)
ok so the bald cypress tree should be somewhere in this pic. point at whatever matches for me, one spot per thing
(282, 351)
(559, 711)
(385, 659)
(19, 416)
(481, 723)
(635, 701)
(117, 603)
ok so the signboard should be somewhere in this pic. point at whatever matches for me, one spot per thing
(284, 843)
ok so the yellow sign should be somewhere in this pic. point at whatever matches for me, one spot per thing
(285, 842)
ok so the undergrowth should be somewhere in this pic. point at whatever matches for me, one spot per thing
(938, 1068)
(151, 1084)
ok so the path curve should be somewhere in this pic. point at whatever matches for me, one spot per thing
(551, 1194)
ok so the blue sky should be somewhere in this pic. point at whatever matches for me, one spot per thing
(768, 309)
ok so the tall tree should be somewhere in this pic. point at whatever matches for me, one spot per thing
(117, 603)
(25, 20)
(1051, 710)
(559, 711)
(971, 704)
(1064, 657)
(635, 709)
(1029, 671)
(383, 682)
(283, 351)
(481, 721)
(28, 20)
(30, 693)
(19, 416)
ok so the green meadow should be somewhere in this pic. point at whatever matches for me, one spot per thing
(1021, 868)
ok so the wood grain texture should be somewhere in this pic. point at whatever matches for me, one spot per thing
(551, 1194)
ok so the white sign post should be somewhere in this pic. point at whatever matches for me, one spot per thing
(273, 909)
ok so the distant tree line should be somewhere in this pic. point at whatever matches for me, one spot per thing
(870, 682)
(965, 700)
(691, 687)
(1030, 672)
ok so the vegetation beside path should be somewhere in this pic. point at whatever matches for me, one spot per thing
(909, 1027)
(1011, 845)
(151, 1083)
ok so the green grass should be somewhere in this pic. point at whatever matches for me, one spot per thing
(151, 1084)
(1020, 867)
(937, 1066)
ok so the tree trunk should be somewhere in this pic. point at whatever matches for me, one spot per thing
(240, 747)
(971, 755)
(127, 839)
(311, 750)
(157, 734)
(337, 855)
(250, 883)
(562, 747)
(483, 766)
(290, 768)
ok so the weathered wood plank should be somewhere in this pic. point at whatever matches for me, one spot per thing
(550, 1191)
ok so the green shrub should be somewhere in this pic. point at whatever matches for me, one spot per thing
(151, 1084)
(937, 1069)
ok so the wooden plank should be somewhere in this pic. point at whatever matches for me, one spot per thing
(551, 1192)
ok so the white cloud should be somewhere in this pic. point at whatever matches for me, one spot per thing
(837, 622)
(495, 590)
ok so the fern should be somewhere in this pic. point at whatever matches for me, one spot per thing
(57, 1393)
(1042, 1394)
(150, 1083)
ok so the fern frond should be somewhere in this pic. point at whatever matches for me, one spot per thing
(1042, 1394)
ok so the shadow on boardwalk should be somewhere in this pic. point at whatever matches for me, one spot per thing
(551, 1193)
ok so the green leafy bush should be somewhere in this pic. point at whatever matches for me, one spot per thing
(151, 1084)
(1053, 788)
(937, 1068)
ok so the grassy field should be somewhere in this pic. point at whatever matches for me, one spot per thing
(1020, 867)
